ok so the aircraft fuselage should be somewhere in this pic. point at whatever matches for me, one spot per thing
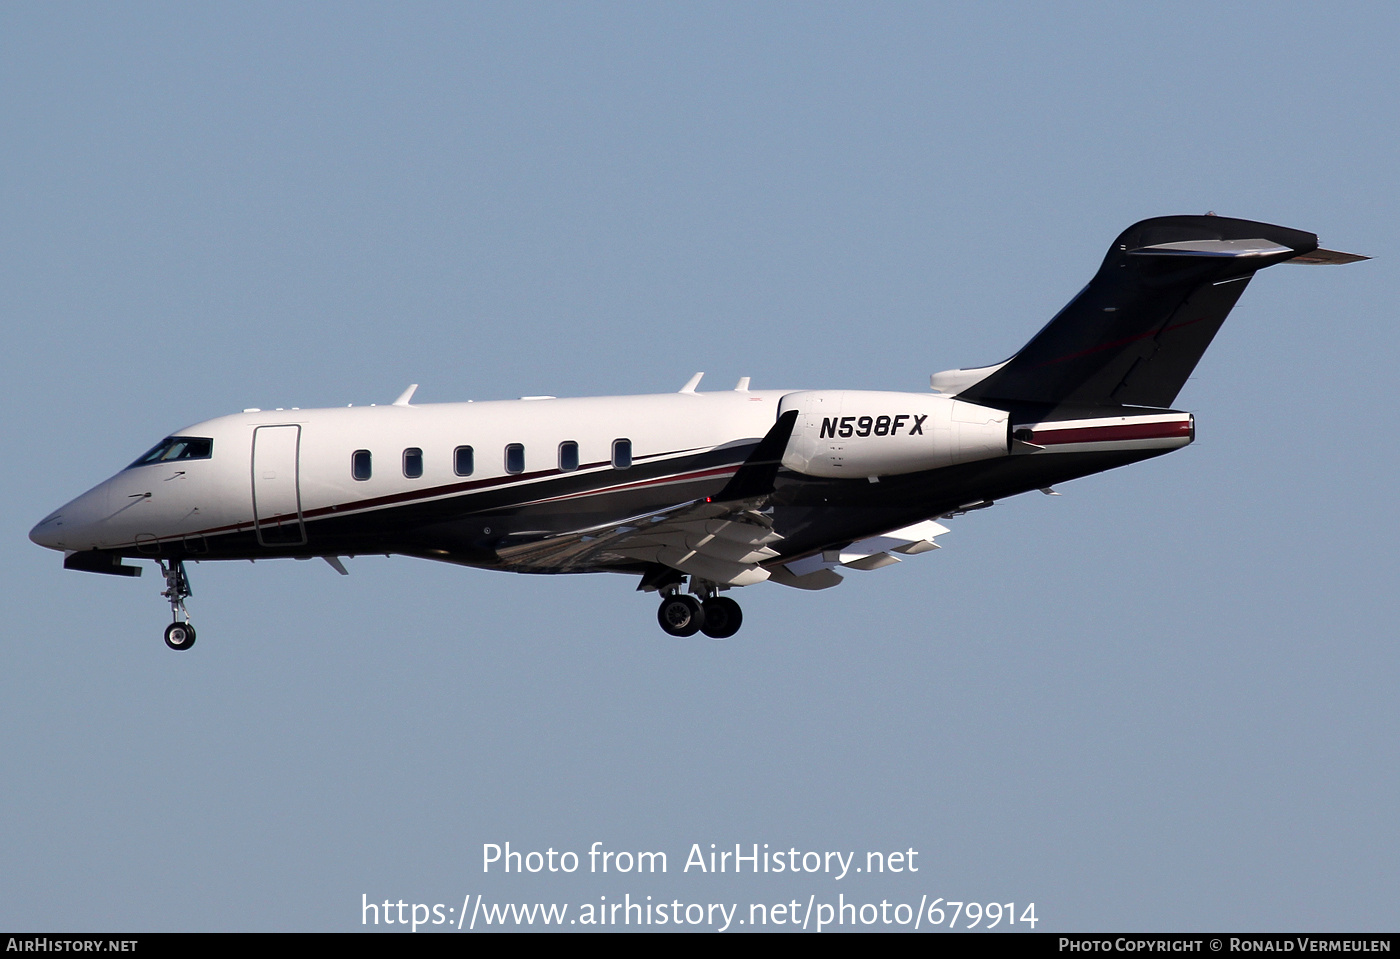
(285, 482)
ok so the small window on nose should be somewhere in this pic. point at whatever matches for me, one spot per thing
(413, 462)
(361, 466)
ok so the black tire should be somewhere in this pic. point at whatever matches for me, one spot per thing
(681, 615)
(723, 617)
(179, 635)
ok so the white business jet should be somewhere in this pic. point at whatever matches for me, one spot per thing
(693, 493)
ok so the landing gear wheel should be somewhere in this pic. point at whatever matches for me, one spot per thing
(179, 635)
(681, 615)
(723, 617)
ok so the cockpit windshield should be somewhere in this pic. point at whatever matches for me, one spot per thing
(178, 448)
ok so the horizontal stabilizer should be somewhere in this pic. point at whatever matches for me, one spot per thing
(1254, 247)
(1328, 258)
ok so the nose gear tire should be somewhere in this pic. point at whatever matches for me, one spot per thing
(179, 635)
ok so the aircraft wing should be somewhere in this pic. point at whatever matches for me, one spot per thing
(732, 544)
(727, 539)
(724, 538)
(725, 542)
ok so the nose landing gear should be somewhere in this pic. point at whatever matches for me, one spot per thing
(178, 635)
(718, 617)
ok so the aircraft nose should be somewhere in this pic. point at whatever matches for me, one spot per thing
(75, 525)
(46, 532)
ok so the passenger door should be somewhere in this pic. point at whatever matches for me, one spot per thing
(276, 493)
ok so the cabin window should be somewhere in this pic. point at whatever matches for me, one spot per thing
(515, 458)
(568, 456)
(174, 448)
(361, 465)
(462, 463)
(413, 462)
(622, 454)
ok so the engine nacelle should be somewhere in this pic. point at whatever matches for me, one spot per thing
(856, 434)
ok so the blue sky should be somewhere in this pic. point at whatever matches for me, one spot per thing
(1163, 700)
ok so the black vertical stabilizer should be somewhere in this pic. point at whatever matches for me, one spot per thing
(1135, 333)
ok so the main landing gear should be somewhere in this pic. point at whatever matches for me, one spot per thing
(718, 617)
(178, 635)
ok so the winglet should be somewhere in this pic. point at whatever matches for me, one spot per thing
(755, 477)
(691, 384)
(407, 395)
